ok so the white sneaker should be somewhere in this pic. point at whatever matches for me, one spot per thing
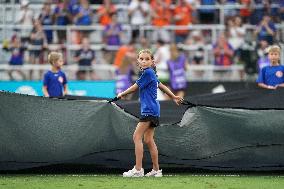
(154, 173)
(134, 173)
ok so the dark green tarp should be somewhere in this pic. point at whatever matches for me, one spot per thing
(37, 131)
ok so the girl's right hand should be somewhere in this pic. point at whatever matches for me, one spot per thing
(119, 95)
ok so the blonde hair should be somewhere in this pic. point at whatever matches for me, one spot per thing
(148, 51)
(54, 57)
(273, 48)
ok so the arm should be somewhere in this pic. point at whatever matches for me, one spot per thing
(262, 85)
(44, 90)
(166, 90)
(130, 90)
(269, 30)
(280, 85)
(65, 91)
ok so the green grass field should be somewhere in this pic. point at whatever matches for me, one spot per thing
(116, 181)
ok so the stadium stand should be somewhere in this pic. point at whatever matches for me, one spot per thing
(11, 25)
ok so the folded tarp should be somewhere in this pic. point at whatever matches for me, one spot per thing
(38, 131)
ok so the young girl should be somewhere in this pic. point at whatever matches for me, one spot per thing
(150, 112)
(272, 76)
(54, 81)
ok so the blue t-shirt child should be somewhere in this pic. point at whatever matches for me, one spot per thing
(17, 56)
(148, 85)
(271, 75)
(54, 82)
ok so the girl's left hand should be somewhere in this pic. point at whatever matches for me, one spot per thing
(178, 100)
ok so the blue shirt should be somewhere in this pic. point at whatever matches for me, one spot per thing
(271, 75)
(62, 18)
(17, 57)
(148, 85)
(85, 19)
(47, 21)
(54, 83)
(85, 57)
(264, 35)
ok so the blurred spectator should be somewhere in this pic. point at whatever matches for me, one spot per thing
(17, 56)
(237, 34)
(38, 43)
(99, 2)
(223, 51)
(144, 44)
(207, 16)
(161, 16)
(162, 55)
(123, 76)
(197, 41)
(104, 12)
(25, 18)
(262, 55)
(182, 17)
(85, 57)
(113, 32)
(237, 39)
(246, 12)
(281, 13)
(125, 51)
(194, 14)
(45, 18)
(82, 18)
(177, 66)
(229, 12)
(261, 8)
(84, 15)
(274, 7)
(73, 8)
(62, 17)
(266, 30)
(138, 11)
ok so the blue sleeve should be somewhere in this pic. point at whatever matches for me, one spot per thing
(45, 79)
(146, 78)
(261, 74)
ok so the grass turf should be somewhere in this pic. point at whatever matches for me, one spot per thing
(116, 181)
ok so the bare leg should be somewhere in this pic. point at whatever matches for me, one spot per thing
(149, 140)
(137, 138)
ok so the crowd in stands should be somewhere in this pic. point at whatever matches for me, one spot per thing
(227, 49)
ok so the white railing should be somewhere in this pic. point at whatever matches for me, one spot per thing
(214, 30)
(107, 72)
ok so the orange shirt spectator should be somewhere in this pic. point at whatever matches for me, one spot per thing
(166, 2)
(247, 10)
(124, 51)
(161, 13)
(182, 15)
(105, 11)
